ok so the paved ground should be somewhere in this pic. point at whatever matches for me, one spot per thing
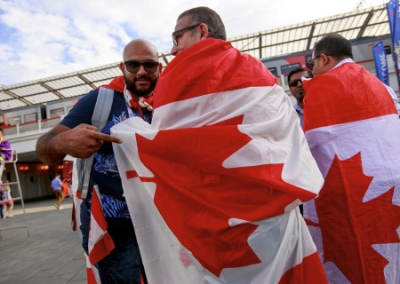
(51, 254)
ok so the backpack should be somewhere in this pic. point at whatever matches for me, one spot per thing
(100, 116)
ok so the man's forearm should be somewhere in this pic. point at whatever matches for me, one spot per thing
(46, 149)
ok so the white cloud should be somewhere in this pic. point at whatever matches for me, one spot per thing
(42, 38)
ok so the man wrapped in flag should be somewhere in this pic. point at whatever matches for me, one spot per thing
(214, 183)
(108, 235)
(353, 130)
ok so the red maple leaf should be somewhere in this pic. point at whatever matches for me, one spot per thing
(350, 227)
(197, 196)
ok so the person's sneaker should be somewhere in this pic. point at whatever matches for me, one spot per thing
(59, 208)
(10, 215)
(56, 206)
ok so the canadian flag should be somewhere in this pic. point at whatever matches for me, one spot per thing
(353, 131)
(91, 272)
(214, 183)
(100, 242)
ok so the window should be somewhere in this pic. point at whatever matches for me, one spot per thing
(388, 49)
(2, 119)
(285, 69)
(30, 117)
(273, 70)
(14, 120)
(56, 112)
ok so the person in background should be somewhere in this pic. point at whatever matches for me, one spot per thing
(353, 130)
(5, 146)
(65, 187)
(7, 200)
(5, 151)
(297, 90)
(1, 200)
(56, 185)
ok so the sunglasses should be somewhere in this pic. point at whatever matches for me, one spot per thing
(295, 82)
(175, 40)
(133, 66)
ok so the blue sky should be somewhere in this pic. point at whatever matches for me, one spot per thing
(43, 38)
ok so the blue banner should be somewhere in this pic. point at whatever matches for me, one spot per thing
(394, 23)
(391, 8)
(381, 63)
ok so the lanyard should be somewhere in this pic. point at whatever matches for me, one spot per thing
(138, 105)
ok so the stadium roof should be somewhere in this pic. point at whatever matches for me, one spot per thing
(366, 23)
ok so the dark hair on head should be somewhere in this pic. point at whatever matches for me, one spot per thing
(334, 45)
(205, 15)
(297, 70)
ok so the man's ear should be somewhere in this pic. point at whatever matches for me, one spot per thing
(326, 60)
(204, 33)
(122, 67)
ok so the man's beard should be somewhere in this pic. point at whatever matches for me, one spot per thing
(131, 86)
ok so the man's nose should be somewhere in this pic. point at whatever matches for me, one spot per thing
(174, 50)
(141, 70)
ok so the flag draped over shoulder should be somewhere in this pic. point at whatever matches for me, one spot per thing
(212, 185)
(353, 131)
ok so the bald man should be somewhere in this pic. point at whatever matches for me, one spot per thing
(75, 136)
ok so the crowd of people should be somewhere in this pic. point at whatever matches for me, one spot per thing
(335, 152)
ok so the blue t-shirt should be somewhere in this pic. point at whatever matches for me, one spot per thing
(56, 184)
(105, 172)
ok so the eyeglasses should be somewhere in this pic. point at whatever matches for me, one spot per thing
(295, 82)
(133, 66)
(175, 40)
(310, 64)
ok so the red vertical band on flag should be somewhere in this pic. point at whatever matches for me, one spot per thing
(91, 272)
(100, 242)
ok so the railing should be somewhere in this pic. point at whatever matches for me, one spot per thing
(31, 126)
(14, 156)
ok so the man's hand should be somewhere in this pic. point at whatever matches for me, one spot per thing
(82, 141)
(79, 142)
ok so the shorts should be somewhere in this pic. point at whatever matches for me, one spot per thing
(7, 199)
(59, 194)
(9, 203)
